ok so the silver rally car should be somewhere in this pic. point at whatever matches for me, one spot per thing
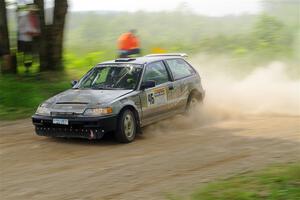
(121, 96)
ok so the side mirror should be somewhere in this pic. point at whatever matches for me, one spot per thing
(74, 82)
(148, 84)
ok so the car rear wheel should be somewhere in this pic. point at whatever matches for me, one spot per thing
(126, 129)
(193, 102)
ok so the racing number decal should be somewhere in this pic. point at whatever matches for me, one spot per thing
(157, 97)
(151, 100)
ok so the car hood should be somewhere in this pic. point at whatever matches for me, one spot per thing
(77, 100)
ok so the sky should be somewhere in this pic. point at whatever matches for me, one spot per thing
(204, 7)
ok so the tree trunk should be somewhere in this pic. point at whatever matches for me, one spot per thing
(42, 39)
(57, 30)
(4, 39)
(51, 37)
(7, 66)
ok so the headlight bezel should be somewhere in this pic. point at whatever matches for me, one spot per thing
(95, 112)
(43, 109)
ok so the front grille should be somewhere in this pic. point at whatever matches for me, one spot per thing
(70, 132)
(63, 114)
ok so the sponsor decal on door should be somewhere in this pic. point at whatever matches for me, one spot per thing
(156, 97)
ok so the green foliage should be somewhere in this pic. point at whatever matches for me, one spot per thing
(98, 31)
(77, 66)
(268, 39)
(20, 96)
(262, 37)
(270, 35)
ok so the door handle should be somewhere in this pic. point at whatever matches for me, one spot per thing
(171, 87)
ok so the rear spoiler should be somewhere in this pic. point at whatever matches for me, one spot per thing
(168, 54)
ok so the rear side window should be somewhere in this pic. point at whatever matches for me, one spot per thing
(156, 72)
(179, 68)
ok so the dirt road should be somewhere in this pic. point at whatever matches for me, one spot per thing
(165, 159)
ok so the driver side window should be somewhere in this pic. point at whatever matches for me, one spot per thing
(156, 72)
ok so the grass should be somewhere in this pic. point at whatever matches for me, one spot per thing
(273, 183)
(20, 95)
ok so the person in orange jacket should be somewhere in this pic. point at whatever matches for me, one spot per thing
(128, 44)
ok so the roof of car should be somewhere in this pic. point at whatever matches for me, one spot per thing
(142, 60)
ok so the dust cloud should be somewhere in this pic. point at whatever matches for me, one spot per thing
(265, 91)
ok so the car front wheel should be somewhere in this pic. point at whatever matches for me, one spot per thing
(126, 129)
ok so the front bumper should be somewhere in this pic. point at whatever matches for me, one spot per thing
(78, 127)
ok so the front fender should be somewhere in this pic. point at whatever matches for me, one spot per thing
(132, 100)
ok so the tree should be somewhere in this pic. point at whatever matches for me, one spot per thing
(4, 40)
(270, 34)
(51, 38)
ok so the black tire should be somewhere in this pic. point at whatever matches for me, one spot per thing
(126, 127)
(194, 98)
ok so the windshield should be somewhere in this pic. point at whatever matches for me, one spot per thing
(121, 76)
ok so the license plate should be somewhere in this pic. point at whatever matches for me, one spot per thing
(61, 121)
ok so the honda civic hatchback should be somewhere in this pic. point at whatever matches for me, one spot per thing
(120, 97)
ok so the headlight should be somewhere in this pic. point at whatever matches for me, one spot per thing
(43, 109)
(98, 111)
